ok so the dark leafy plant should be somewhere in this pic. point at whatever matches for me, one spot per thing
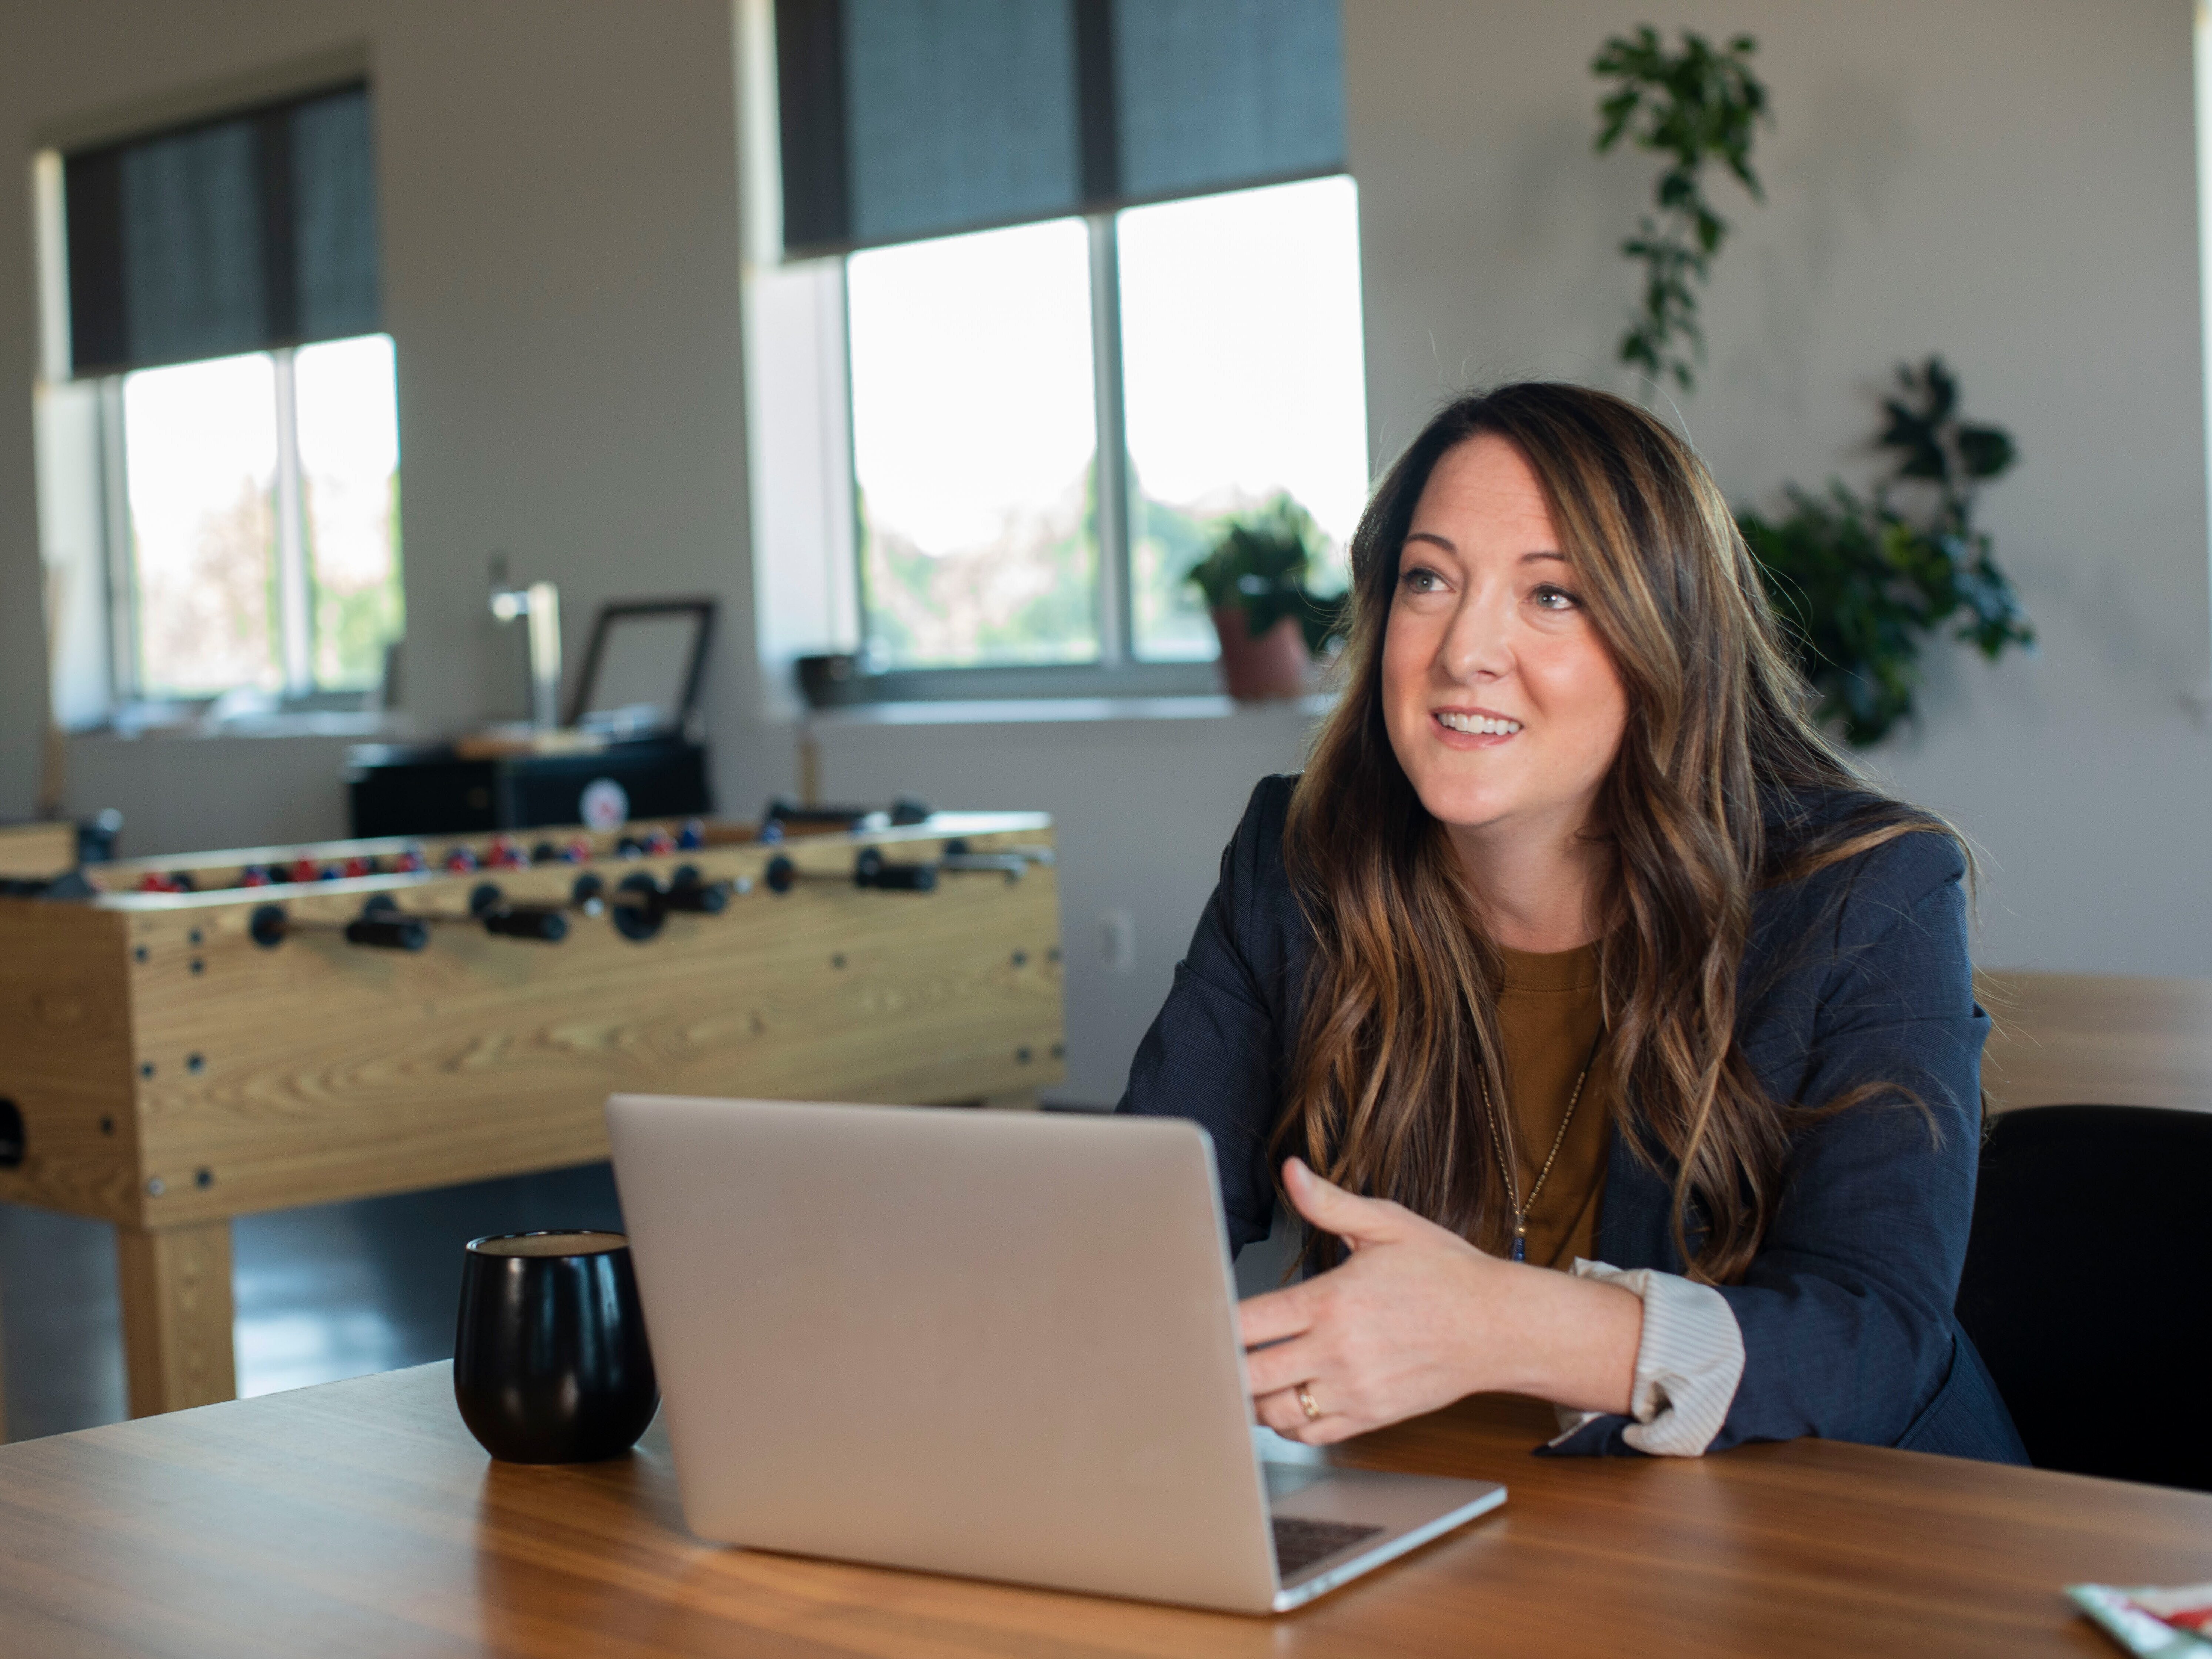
(1692, 106)
(1857, 582)
(1258, 565)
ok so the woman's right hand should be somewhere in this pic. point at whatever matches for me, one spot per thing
(1418, 1317)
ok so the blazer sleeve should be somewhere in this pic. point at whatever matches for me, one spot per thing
(1213, 1052)
(1845, 1311)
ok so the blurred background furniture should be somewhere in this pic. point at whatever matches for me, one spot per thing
(632, 741)
(2089, 1286)
(2059, 1038)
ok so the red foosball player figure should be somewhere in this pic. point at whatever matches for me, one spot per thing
(507, 853)
(659, 841)
(580, 850)
(460, 860)
(359, 866)
(412, 861)
(255, 875)
(306, 870)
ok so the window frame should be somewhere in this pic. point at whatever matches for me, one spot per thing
(1117, 670)
(292, 623)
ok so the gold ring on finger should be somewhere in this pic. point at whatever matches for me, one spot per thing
(1306, 1403)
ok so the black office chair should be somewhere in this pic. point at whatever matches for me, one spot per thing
(2088, 1287)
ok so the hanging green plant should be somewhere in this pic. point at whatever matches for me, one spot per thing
(1857, 583)
(1694, 105)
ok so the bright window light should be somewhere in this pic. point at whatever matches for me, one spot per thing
(974, 442)
(348, 429)
(1242, 378)
(209, 556)
(200, 453)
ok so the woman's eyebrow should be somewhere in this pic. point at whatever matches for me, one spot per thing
(1449, 546)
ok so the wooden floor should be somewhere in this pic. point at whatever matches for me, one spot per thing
(329, 1292)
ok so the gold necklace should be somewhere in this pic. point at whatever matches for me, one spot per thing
(1505, 1158)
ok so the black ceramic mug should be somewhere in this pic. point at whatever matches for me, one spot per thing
(550, 1364)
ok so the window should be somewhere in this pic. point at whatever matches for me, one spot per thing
(974, 448)
(1243, 378)
(223, 314)
(1099, 265)
(260, 545)
(979, 422)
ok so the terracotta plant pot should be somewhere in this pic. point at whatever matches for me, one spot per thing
(1272, 666)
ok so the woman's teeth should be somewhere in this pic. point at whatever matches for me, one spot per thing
(1481, 724)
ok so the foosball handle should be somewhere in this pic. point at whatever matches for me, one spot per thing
(686, 891)
(527, 921)
(379, 926)
(904, 878)
(638, 918)
(871, 869)
(383, 931)
(782, 812)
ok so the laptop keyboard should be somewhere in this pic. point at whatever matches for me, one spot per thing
(1299, 1543)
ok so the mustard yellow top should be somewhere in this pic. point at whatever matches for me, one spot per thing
(1549, 1012)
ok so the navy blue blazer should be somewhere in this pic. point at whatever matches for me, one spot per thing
(1857, 974)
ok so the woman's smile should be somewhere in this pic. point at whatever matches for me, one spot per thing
(1474, 728)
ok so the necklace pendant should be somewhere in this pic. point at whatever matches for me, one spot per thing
(1520, 1244)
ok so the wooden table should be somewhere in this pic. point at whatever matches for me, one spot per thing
(2097, 1040)
(37, 852)
(359, 1518)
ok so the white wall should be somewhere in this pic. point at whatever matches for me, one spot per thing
(2008, 182)
(559, 195)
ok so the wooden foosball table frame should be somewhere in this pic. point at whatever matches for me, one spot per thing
(169, 1060)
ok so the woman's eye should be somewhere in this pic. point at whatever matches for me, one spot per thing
(1549, 597)
(1419, 580)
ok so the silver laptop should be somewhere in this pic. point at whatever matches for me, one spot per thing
(997, 1344)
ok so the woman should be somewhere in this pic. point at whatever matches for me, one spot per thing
(1577, 946)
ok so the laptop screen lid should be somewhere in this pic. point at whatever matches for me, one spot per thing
(1001, 1345)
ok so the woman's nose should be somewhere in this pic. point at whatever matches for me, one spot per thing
(1475, 644)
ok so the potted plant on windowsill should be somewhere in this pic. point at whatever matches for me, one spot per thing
(1271, 626)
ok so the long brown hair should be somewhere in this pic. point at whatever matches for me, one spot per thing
(1399, 1010)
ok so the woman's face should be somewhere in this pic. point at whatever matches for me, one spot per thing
(1503, 704)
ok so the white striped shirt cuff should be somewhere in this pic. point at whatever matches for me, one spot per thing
(1688, 1364)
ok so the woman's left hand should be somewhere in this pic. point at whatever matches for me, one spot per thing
(1416, 1318)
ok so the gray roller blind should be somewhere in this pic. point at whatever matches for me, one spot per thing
(334, 208)
(958, 113)
(907, 119)
(191, 243)
(1215, 91)
(238, 234)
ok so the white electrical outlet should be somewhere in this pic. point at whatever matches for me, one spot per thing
(1117, 941)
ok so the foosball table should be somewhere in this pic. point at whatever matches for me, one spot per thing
(186, 1040)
